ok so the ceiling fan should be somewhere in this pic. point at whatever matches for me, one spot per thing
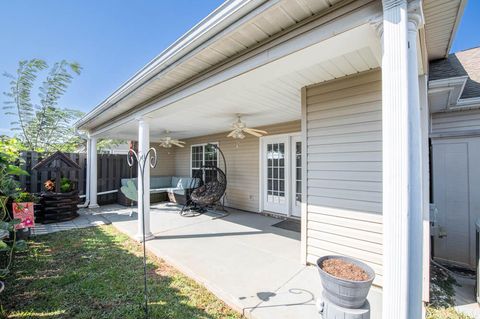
(239, 128)
(168, 142)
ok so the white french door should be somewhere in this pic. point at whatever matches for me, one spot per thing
(281, 178)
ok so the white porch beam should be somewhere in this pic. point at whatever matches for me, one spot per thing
(402, 178)
(92, 163)
(143, 182)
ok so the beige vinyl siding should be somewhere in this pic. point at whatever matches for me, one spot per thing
(166, 161)
(456, 122)
(344, 169)
(242, 158)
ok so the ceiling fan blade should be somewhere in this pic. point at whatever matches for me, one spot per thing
(177, 144)
(259, 131)
(252, 132)
(178, 141)
(231, 134)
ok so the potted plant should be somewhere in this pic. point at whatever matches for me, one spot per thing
(23, 210)
(346, 281)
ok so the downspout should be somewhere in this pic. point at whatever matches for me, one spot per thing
(87, 184)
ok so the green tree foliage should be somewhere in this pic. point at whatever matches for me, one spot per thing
(44, 126)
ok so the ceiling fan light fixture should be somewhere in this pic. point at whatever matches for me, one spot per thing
(240, 128)
(239, 135)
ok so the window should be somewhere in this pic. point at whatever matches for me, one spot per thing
(204, 156)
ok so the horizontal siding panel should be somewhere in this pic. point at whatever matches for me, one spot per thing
(346, 147)
(373, 176)
(347, 245)
(346, 222)
(456, 121)
(352, 94)
(346, 138)
(357, 234)
(324, 111)
(346, 157)
(345, 213)
(448, 117)
(352, 204)
(344, 129)
(345, 119)
(362, 195)
(344, 164)
(347, 185)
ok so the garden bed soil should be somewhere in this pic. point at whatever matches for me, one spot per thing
(344, 270)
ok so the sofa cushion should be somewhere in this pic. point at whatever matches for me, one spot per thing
(185, 182)
(160, 184)
(160, 181)
(124, 181)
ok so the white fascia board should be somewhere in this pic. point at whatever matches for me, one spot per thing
(221, 18)
(349, 17)
(448, 82)
(461, 9)
(453, 85)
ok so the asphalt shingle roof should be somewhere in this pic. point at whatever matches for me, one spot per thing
(458, 64)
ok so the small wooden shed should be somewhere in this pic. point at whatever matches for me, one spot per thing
(57, 205)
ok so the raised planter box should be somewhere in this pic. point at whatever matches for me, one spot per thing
(345, 293)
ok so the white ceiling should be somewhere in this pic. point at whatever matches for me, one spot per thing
(267, 95)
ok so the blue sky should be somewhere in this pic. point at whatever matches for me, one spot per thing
(112, 39)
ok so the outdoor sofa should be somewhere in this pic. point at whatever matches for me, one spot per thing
(164, 188)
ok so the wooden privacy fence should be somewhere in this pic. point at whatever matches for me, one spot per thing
(111, 168)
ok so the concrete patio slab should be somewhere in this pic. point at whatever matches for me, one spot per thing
(252, 266)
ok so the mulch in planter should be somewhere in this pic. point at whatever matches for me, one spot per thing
(344, 270)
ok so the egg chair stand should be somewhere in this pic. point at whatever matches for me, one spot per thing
(208, 194)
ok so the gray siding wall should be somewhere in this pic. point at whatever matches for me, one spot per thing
(455, 122)
(344, 163)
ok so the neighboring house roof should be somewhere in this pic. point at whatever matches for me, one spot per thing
(462, 63)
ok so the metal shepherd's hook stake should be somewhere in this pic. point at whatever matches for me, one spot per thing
(151, 156)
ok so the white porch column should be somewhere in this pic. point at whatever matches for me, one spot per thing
(402, 178)
(92, 163)
(143, 182)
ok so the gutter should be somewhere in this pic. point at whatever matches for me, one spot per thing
(225, 15)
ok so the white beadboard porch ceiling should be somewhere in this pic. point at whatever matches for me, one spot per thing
(267, 95)
(260, 22)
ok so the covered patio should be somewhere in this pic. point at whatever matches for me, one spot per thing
(251, 265)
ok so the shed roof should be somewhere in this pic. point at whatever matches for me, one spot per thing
(56, 161)
(462, 63)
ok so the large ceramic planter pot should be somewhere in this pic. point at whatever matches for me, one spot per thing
(342, 292)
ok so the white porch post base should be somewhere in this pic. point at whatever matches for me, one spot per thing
(92, 163)
(402, 178)
(143, 182)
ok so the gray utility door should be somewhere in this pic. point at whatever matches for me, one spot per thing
(456, 194)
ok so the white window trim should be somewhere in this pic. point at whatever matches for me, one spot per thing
(203, 154)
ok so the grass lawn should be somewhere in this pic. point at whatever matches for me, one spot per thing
(97, 273)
